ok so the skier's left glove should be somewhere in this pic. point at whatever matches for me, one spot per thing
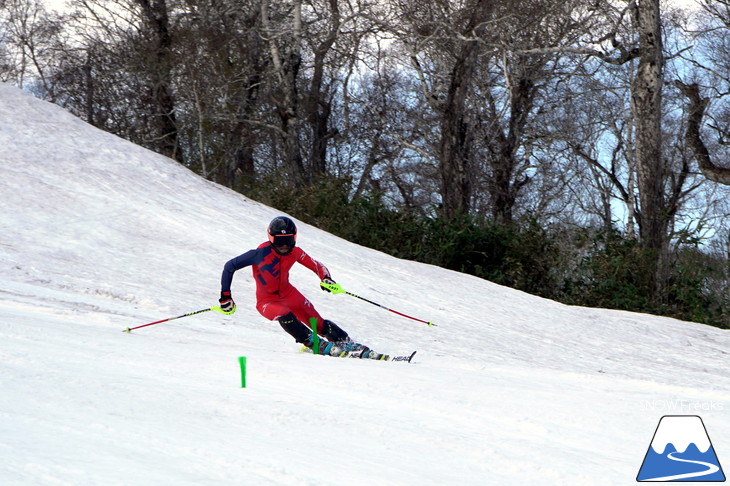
(226, 301)
(328, 281)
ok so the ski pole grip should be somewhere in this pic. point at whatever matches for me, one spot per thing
(228, 313)
(335, 288)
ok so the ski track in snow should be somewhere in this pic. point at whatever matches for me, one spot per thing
(510, 389)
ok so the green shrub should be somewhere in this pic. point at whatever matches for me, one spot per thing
(583, 267)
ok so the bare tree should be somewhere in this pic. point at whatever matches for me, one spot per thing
(31, 41)
(282, 30)
(519, 84)
(218, 86)
(318, 105)
(455, 152)
(125, 50)
(634, 30)
(156, 30)
(442, 40)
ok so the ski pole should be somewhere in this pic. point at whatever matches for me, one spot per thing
(215, 307)
(337, 289)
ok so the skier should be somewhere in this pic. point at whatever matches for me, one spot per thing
(276, 298)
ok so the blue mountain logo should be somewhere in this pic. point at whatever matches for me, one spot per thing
(681, 451)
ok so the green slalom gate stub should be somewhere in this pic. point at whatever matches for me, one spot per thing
(315, 336)
(242, 363)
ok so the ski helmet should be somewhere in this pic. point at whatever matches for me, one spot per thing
(282, 231)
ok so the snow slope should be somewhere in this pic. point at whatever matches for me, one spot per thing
(98, 235)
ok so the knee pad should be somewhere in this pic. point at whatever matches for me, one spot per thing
(294, 327)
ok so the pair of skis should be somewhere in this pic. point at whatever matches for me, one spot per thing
(359, 353)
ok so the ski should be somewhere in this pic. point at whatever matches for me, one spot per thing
(367, 353)
(359, 353)
(406, 358)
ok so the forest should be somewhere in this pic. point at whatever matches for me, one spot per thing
(573, 149)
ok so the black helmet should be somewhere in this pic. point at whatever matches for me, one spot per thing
(282, 232)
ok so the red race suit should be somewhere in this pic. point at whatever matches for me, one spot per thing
(275, 295)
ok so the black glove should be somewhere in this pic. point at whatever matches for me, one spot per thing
(328, 280)
(226, 301)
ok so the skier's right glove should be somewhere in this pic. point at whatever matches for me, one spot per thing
(327, 280)
(226, 301)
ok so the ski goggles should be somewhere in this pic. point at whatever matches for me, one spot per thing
(281, 240)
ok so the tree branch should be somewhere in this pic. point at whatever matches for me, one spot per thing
(695, 113)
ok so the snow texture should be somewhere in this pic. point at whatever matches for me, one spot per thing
(510, 389)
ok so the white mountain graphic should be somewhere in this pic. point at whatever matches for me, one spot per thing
(680, 430)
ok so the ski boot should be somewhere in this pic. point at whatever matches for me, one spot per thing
(371, 354)
(341, 340)
(349, 346)
(325, 347)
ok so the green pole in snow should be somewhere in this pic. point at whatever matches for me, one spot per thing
(315, 336)
(242, 362)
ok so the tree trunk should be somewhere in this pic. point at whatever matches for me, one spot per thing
(454, 149)
(646, 96)
(156, 16)
(319, 107)
(240, 164)
(503, 188)
(454, 154)
(286, 68)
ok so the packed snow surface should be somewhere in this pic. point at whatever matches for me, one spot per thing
(508, 389)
